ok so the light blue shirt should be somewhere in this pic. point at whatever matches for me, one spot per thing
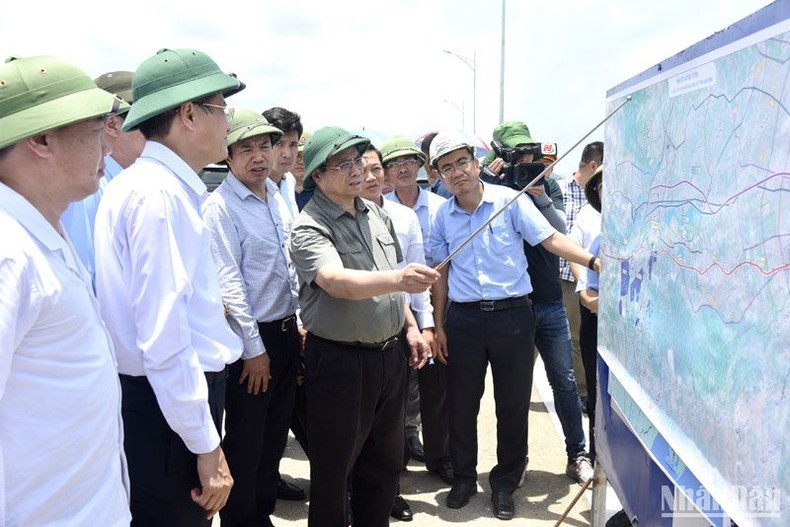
(80, 217)
(493, 265)
(426, 207)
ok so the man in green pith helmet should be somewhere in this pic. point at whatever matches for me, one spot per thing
(250, 225)
(346, 253)
(61, 457)
(160, 294)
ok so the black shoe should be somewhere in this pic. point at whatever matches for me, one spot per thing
(401, 510)
(503, 505)
(460, 493)
(289, 491)
(415, 449)
(445, 471)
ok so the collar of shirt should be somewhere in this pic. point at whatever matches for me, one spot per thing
(334, 210)
(488, 197)
(422, 198)
(34, 222)
(111, 168)
(162, 154)
(240, 189)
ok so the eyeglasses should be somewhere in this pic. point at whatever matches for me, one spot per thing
(408, 163)
(462, 164)
(346, 168)
(225, 108)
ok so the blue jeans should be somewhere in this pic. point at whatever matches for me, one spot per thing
(553, 340)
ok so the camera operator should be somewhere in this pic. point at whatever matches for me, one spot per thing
(517, 160)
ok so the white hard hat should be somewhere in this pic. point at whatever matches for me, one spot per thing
(447, 141)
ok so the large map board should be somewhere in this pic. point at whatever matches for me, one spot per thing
(695, 300)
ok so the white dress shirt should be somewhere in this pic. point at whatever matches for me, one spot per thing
(287, 189)
(158, 289)
(587, 233)
(407, 228)
(61, 438)
(426, 207)
(249, 243)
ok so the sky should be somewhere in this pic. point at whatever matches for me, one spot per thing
(381, 65)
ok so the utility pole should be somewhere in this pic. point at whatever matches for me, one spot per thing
(472, 65)
(502, 71)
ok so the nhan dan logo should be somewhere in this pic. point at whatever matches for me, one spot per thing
(754, 501)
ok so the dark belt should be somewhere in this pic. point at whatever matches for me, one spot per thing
(378, 346)
(211, 376)
(284, 324)
(497, 305)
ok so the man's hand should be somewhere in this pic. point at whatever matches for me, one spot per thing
(420, 350)
(496, 166)
(257, 374)
(440, 345)
(302, 339)
(536, 190)
(215, 482)
(416, 278)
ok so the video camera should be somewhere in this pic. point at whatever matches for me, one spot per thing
(519, 175)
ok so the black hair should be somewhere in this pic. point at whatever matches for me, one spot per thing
(592, 152)
(592, 190)
(159, 125)
(285, 120)
(371, 148)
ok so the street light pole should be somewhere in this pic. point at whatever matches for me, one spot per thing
(472, 65)
(502, 71)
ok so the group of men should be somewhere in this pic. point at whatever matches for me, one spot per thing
(138, 310)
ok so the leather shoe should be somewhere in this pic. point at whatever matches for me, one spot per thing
(503, 505)
(460, 493)
(416, 451)
(401, 510)
(289, 491)
(445, 471)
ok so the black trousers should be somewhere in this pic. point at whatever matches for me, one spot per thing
(355, 413)
(162, 471)
(588, 342)
(432, 380)
(256, 430)
(504, 339)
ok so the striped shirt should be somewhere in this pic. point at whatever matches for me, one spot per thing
(249, 243)
(574, 199)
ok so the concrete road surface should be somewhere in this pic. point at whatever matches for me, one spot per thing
(541, 502)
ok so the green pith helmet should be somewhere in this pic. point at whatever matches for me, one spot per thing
(512, 134)
(118, 83)
(174, 77)
(400, 146)
(325, 143)
(249, 123)
(303, 140)
(43, 93)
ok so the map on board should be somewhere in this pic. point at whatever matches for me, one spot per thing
(695, 300)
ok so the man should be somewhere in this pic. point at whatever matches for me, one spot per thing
(434, 181)
(61, 458)
(250, 226)
(552, 336)
(285, 151)
(587, 233)
(407, 228)
(80, 216)
(302, 195)
(573, 200)
(402, 160)
(346, 252)
(159, 294)
(489, 318)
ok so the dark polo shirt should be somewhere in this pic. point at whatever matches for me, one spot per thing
(324, 234)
